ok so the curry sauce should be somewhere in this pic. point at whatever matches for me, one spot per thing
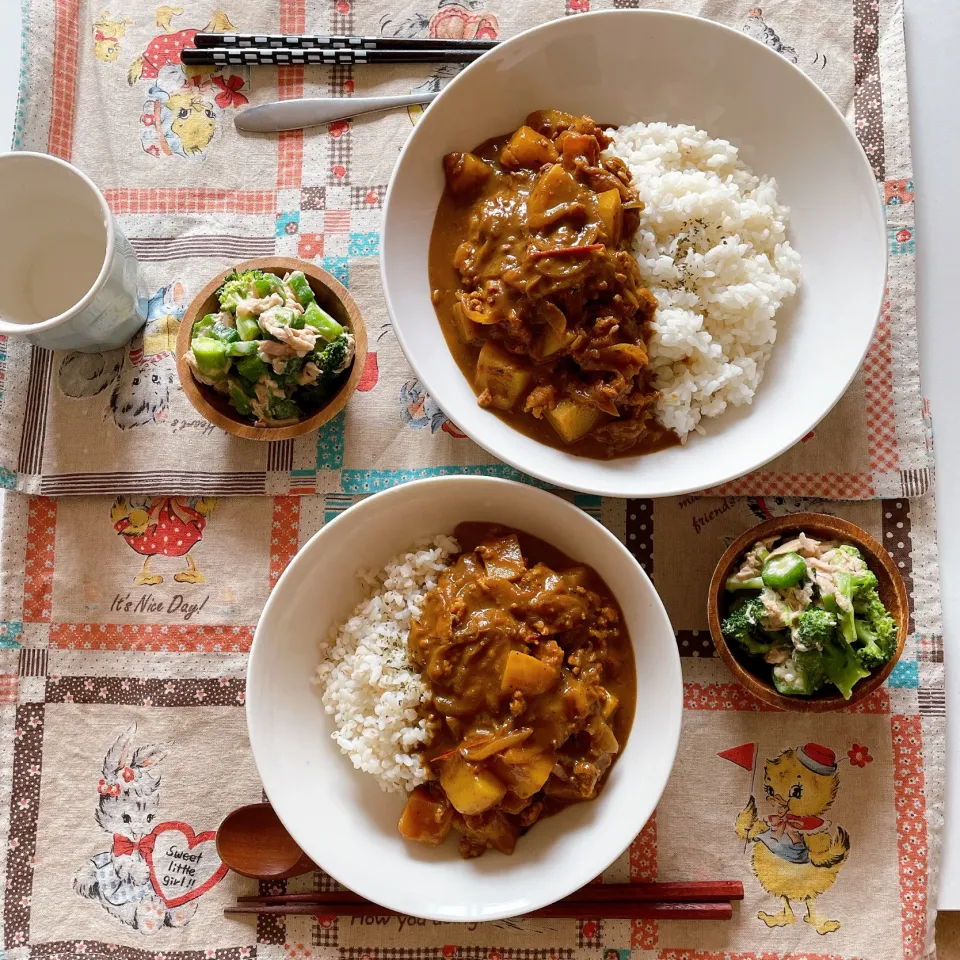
(532, 686)
(538, 298)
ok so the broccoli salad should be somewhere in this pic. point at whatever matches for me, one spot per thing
(810, 610)
(271, 350)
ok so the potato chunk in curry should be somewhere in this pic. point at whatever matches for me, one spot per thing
(532, 684)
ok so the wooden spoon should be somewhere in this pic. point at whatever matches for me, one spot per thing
(253, 842)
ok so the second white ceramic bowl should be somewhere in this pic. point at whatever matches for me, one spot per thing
(630, 65)
(340, 817)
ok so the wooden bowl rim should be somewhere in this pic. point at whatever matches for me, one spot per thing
(811, 523)
(196, 391)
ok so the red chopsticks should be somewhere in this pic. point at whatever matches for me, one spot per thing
(668, 900)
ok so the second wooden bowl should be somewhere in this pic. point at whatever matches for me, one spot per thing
(331, 295)
(821, 526)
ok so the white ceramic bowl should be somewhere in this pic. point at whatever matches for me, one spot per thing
(339, 815)
(621, 67)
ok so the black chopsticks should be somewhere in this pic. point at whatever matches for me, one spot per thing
(259, 56)
(313, 41)
(266, 49)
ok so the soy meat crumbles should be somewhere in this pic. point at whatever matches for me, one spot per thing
(531, 684)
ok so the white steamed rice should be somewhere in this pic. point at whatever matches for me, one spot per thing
(712, 248)
(367, 682)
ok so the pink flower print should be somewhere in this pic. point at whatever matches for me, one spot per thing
(859, 755)
(200, 694)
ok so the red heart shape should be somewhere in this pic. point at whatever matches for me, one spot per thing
(193, 840)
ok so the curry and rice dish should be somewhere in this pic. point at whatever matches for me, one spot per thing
(539, 300)
(489, 677)
(607, 290)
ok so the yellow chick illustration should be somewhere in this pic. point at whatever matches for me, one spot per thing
(107, 34)
(795, 859)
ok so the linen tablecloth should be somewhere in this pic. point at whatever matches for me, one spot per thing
(123, 655)
(105, 90)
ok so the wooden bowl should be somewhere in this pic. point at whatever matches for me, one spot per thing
(331, 295)
(822, 527)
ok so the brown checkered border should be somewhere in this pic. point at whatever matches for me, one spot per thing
(25, 802)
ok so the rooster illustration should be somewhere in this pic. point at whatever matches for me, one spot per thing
(755, 27)
(164, 526)
(795, 858)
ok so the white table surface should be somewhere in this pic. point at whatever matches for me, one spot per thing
(933, 30)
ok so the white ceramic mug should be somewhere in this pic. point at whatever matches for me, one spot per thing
(70, 275)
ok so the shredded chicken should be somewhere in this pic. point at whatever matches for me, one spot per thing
(309, 374)
(776, 612)
(804, 545)
(255, 306)
(302, 341)
(753, 560)
(264, 390)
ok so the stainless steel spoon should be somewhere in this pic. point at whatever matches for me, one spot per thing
(297, 114)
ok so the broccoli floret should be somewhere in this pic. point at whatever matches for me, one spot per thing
(809, 663)
(236, 287)
(876, 630)
(333, 358)
(744, 626)
(282, 409)
(851, 588)
(815, 627)
(828, 655)
(842, 666)
(795, 677)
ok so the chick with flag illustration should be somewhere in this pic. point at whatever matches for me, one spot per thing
(796, 857)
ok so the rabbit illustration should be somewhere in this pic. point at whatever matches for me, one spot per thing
(127, 808)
